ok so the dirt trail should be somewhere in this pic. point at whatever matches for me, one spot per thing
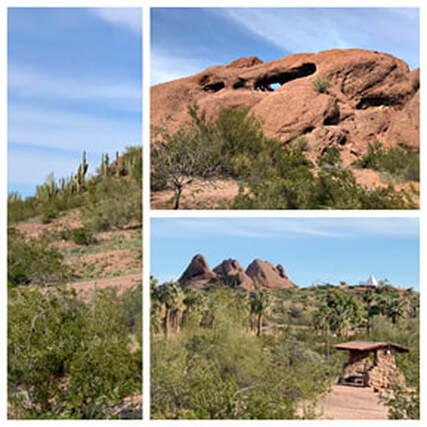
(352, 403)
(198, 195)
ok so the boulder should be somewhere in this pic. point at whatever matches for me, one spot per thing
(371, 96)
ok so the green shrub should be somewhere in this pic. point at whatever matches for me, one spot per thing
(401, 162)
(71, 360)
(218, 369)
(112, 202)
(273, 174)
(321, 85)
(33, 262)
(82, 236)
(49, 214)
(158, 181)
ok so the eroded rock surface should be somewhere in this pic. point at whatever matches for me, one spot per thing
(371, 96)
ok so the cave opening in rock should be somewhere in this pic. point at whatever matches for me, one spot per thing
(273, 81)
(214, 87)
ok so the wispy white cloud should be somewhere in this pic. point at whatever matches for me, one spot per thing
(70, 130)
(312, 30)
(166, 67)
(22, 170)
(269, 228)
(128, 18)
(32, 84)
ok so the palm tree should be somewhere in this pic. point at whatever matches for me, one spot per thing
(155, 306)
(396, 310)
(260, 303)
(392, 306)
(177, 309)
(322, 321)
(169, 292)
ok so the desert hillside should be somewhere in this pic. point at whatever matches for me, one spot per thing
(74, 294)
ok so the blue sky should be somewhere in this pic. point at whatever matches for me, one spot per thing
(186, 41)
(312, 250)
(74, 84)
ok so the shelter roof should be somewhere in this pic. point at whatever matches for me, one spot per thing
(370, 346)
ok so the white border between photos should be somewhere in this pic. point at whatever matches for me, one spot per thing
(148, 214)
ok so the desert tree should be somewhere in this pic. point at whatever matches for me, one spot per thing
(260, 303)
(186, 154)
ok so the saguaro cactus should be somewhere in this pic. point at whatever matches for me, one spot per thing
(105, 165)
(81, 172)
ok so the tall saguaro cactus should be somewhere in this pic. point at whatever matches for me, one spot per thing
(81, 173)
(105, 165)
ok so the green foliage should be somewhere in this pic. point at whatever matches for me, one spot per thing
(216, 366)
(49, 214)
(221, 371)
(403, 403)
(33, 262)
(52, 198)
(321, 85)
(273, 174)
(67, 359)
(402, 163)
(287, 182)
(339, 313)
(112, 202)
(82, 236)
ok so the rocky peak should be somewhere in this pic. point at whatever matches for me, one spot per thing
(259, 274)
(231, 273)
(198, 274)
(265, 275)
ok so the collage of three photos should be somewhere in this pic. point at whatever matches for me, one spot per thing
(283, 213)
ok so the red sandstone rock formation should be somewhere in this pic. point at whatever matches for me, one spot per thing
(198, 274)
(265, 275)
(259, 274)
(371, 96)
(232, 274)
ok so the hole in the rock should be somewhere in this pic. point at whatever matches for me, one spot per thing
(214, 87)
(333, 119)
(373, 101)
(271, 82)
(239, 84)
(307, 129)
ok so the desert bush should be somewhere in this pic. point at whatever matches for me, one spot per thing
(67, 359)
(82, 236)
(33, 262)
(49, 213)
(321, 85)
(402, 403)
(290, 184)
(112, 202)
(402, 163)
(19, 210)
(220, 370)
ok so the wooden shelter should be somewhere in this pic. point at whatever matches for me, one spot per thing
(372, 364)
